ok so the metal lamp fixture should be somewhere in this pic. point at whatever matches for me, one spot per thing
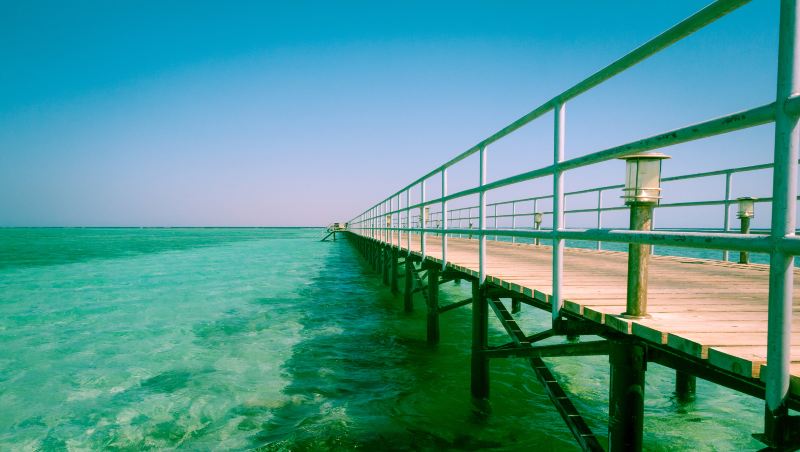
(746, 207)
(642, 178)
(537, 220)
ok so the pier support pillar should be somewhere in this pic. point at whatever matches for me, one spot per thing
(685, 386)
(393, 276)
(516, 305)
(626, 396)
(385, 264)
(408, 293)
(371, 254)
(433, 304)
(480, 342)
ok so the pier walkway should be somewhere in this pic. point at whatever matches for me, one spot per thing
(712, 310)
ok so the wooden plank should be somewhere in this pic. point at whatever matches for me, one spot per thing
(697, 344)
(743, 360)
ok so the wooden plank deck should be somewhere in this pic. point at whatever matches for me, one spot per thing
(712, 310)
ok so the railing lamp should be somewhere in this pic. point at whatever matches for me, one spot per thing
(747, 208)
(537, 221)
(642, 178)
(642, 192)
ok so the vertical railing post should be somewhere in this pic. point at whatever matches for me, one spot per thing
(536, 241)
(399, 222)
(727, 217)
(558, 208)
(781, 265)
(494, 223)
(513, 220)
(408, 221)
(391, 221)
(482, 219)
(599, 215)
(444, 219)
(422, 219)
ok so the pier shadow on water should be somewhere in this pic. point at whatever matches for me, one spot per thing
(351, 376)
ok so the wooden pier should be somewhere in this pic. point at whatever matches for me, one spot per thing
(707, 318)
(728, 323)
(707, 309)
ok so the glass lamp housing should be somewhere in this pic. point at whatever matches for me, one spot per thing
(642, 178)
(747, 207)
(537, 218)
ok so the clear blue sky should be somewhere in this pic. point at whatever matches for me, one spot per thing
(303, 113)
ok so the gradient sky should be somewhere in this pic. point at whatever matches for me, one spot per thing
(303, 113)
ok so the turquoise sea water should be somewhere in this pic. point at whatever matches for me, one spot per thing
(236, 339)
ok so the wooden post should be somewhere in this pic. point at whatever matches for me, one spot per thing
(371, 254)
(433, 304)
(744, 256)
(626, 396)
(638, 257)
(480, 342)
(408, 293)
(385, 264)
(393, 278)
(685, 386)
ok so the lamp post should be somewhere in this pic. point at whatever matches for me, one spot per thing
(389, 233)
(537, 221)
(746, 211)
(627, 358)
(642, 192)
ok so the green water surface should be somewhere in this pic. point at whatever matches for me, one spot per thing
(239, 339)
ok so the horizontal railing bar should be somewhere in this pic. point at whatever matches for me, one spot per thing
(728, 123)
(617, 186)
(686, 27)
(736, 121)
(683, 239)
(601, 209)
(719, 172)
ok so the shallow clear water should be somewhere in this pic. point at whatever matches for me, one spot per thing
(267, 338)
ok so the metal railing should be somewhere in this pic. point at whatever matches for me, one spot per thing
(781, 243)
(463, 216)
